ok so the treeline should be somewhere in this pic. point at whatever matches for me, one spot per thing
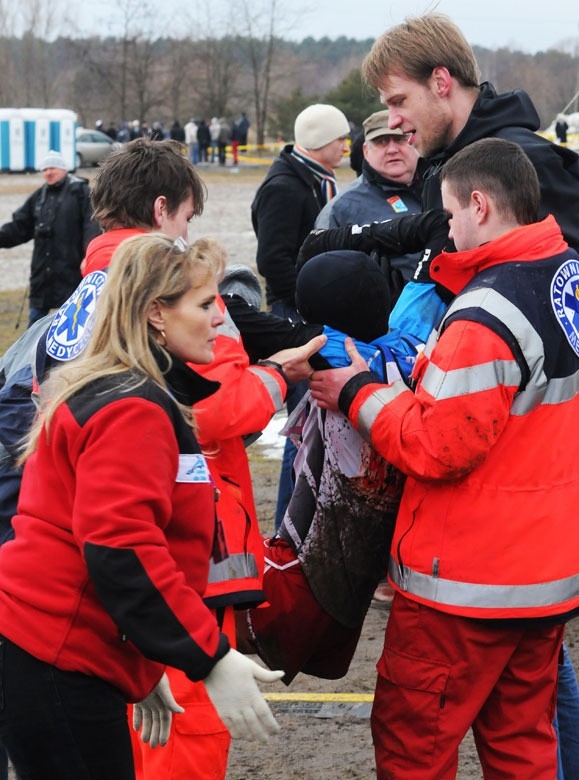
(164, 78)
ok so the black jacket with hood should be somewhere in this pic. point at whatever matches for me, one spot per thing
(513, 116)
(283, 212)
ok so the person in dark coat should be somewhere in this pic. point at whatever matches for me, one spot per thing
(58, 216)
(243, 125)
(357, 151)
(561, 128)
(112, 132)
(203, 139)
(388, 187)
(297, 186)
(224, 139)
(446, 113)
(177, 133)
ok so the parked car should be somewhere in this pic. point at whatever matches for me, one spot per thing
(92, 147)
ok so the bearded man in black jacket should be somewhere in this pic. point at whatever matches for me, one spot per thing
(426, 74)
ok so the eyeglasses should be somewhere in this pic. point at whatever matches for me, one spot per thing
(384, 140)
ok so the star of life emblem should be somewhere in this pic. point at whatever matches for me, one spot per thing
(565, 300)
(73, 323)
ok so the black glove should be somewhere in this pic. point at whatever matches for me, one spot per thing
(320, 241)
(409, 234)
(393, 237)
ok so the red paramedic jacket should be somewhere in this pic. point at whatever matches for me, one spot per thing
(486, 527)
(244, 404)
(113, 536)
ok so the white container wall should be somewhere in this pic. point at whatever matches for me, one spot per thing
(27, 134)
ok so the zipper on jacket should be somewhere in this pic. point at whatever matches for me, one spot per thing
(401, 570)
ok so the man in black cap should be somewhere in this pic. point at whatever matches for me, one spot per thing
(389, 185)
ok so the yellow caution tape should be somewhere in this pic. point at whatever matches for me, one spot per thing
(321, 697)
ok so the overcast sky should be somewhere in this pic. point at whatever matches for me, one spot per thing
(528, 25)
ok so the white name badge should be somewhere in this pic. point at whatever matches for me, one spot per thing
(193, 468)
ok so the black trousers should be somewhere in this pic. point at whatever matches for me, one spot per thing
(60, 725)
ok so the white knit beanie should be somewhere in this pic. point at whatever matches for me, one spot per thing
(54, 160)
(319, 125)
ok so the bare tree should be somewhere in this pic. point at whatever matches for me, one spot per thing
(126, 65)
(260, 23)
(214, 72)
(261, 28)
(40, 22)
(217, 73)
(7, 53)
(178, 66)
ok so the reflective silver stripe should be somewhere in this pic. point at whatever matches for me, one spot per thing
(374, 404)
(500, 307)
(473, 379)
(557, 391)
(527, 337)
(228, 327)
(470, 594)
(562, 389)
(236, 567)
(431, 343)
(271, 385)
(538, 390)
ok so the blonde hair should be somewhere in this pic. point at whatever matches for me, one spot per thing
(143, 269)
(418, 46)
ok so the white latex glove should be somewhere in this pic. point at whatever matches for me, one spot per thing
(232, 689)
(153, 715)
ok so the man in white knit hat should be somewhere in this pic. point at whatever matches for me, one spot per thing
(298, 185)
(58, 216)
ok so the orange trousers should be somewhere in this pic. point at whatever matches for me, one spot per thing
(198, 747)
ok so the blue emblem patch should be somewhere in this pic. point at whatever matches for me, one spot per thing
(397, 204)
(73, 322)
(565, 301)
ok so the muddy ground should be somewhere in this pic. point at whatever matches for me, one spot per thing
(329, 741)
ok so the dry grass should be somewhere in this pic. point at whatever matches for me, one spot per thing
(13, 307)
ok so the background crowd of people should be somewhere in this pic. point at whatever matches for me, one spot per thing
(206, 141)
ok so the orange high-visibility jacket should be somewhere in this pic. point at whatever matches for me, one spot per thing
(248, 398)
(490, 438)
